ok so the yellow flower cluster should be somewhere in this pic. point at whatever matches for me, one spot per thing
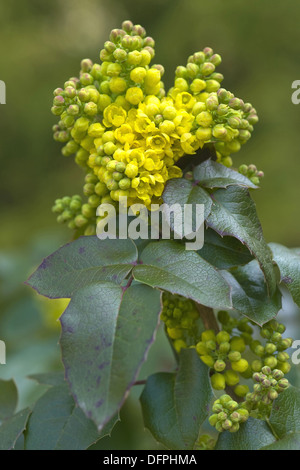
(128, 134)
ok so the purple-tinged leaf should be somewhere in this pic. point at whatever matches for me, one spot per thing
(81, 262)
(106, 335)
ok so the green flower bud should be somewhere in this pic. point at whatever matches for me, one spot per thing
(231, 377)
(234, 356)
(94, 200)
(213, 419)
(275, 337)
(80, 221)
(218, 381)
(283, 384)
(241, 390)
(125, 183)
(266, 370)
(219, 131)
(227, 424)
(270, 361)
(283, 356)
(219, 365)
(235, 417)
(88, 189)
(224, 347)
(212, 102)
(272, 395)
(217, 407)
(277, 374)
(87, 211)
(222, 336)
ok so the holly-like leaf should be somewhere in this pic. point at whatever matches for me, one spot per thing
(8, 399)
(168, 266)
(252, 435)
(81, 262)
(288, 262)
(211, 174)
(50, 378)
(56, 423)
(288, 442)
(285, 415)
(106, 335)
(175, 405)
(182, 191)
(224, 252)
(233, 213)
(250, 295)
(12, 428)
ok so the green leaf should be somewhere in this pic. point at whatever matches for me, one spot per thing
(234, 214)
(211, 174)
(285, 415)
(288, 442)
(56, 423)
(12, 428)
(8, 398)
(106, 335)
(181, 191)
(288, 262)
(167, 265)
(224, 252)
(175, 405)
(250, 295)
(82, 262)
(50, 378)
(252, 435)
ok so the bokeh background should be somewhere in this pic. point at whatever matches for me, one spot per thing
(41, 45)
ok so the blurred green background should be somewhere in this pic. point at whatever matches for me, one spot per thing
(41, 45)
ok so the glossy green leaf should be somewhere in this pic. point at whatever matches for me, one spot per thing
(252, 435)
(82, 262)
(12, 428)
(211, 174)
(285, 415)
(106, 335)
(50, 378)
(234, 213)
(175, 405)
(181, 191)
(169, 266)
(8, 398)
(250, 295)
(56, 423)
(288, 262)
(224, 252)
(288, 442)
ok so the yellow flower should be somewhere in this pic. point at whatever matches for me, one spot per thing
(134, 95)
(189, 143)
(114, 115)
(124, 134)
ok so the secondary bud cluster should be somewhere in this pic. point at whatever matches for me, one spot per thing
(223, 354)
(228, 414)
(182, 321)
(129, 134)
(268, 384)
(251, 172)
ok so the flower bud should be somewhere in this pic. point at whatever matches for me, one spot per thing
(270, 361)
(218, 381)
(219, 365)
(234, 356)
(231, 377)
